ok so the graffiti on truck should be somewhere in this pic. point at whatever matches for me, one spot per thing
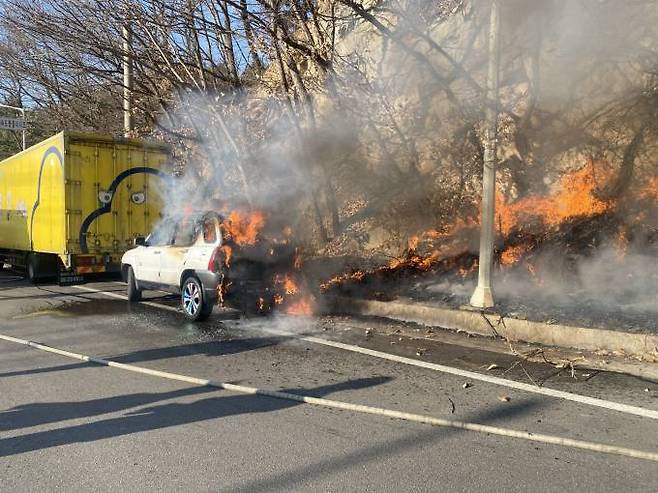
(106, 197)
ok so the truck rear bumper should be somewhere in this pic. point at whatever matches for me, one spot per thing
(95, 264)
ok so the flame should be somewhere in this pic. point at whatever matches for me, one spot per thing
(411, 259)
(294, 297)
(513, 254)
(228, 253)
(243, 227)
(575, 198)
(222, 289)
(289, 285)
(356, 275)
(301, 307)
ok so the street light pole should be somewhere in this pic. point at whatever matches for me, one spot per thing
(24, 140)
(483, 294)
(127, 72)
(22, 112)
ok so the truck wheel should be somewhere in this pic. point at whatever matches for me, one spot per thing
(134, 293)
(32, 268)
(194, 304)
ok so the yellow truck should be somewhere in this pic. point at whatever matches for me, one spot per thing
(74, 203)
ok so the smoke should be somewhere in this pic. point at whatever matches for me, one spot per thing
(250, 151)
(229, 162)
(605, 281)
(627, 284)
(589, 51)
(391, 142)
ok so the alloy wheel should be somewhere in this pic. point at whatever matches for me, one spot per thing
(191, 298)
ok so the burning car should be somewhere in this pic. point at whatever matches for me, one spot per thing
(211, 260)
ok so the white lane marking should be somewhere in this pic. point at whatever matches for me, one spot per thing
(581, 399)
(316, 401)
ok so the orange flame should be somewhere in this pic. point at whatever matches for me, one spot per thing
(301, 307)
(228, 253)
(289, 285)
(513, 254)
(575, 198)
(222, 289)
(243, 227)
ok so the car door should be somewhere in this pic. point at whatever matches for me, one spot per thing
(172, 257)
(208, 239)
(148, 261)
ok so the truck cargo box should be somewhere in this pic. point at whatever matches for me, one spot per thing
(79, 201)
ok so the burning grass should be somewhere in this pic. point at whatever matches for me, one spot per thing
(567, 225)
(576, 197)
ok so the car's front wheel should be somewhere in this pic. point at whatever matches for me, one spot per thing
(195, 305)
(134, 293)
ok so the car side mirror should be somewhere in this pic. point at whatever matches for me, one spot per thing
(140, 241)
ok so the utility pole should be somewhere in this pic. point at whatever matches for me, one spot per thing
(24, 140)
(127, 72)
(22, 112)
(483, 294)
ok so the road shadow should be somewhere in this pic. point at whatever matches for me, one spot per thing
(290, 480)
(41, 413)
(210, 348)
(163, 416)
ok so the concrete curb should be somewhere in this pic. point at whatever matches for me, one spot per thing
(491, 324)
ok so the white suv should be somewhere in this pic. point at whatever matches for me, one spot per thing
(182, 255)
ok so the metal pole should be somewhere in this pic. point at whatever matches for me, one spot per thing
(24, 140)
(483, 294)
(127, 73)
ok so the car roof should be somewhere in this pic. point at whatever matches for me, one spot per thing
(197, 215)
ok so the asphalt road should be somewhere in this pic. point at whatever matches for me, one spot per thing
(72, 426)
